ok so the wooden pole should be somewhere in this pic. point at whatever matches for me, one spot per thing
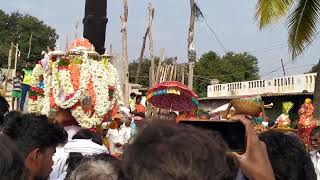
(284, 71)
(16, 58)
(190, 42)
(9, 66)
(141, 56)
(30, 42)
(148, 32)
(152, 69)
(124, 20)
(182, 72)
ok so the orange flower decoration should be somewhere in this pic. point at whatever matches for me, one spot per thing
(75, 76)
(80, 42)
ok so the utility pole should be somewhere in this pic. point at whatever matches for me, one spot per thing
(191, 51)
(284, 72)
(124, 19)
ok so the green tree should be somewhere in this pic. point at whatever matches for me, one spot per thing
(17, 28)
(315, 68)
(232, 67)
(303, 17)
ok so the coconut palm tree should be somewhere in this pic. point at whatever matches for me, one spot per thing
(302, 17)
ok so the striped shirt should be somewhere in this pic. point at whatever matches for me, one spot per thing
(16, 81)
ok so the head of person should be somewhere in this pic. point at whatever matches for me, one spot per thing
(4, 108)
(288, 156)
(172, 116)
(132, 95)
(138, 99)
(11, 161)
(75, 158)
(28, 65)
(18, 72)
(64, 117)
(41, 78)
(166, 151)
(128, 121)
(94, 169)
(315, 138)
(37, 139)
(204, 116)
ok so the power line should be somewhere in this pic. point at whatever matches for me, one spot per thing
(199, 16)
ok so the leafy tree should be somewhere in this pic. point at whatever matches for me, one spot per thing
(303, 19)
(315, 68)
(231, 67)
(17, 28)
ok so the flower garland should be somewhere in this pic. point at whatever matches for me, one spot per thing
(101, 89)
(47, 89)
(72, 99)
(113, 80)
(36, 73)
(84, 120)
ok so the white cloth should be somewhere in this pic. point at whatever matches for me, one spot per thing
(116, 136)
(315, 157)
(72, 130)
(127, 133)
(83, 146)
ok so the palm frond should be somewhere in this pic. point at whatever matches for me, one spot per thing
(270, 11)
(303, 25)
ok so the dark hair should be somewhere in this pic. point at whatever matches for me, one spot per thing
(288, 157)
(11, 162)
(4, 108)
(75, 158)
(315, 131)
(138, 97)
(166, 151)
(87, 134)
(140, 114)
(132, 94)
(30, 131)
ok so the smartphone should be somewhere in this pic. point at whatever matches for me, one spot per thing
(233, 132)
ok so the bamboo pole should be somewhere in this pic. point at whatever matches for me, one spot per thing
(152, 69)
(125, 83)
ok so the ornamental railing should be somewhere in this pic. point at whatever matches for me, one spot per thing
(302, 83)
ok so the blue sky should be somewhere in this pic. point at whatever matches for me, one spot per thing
(232, 20)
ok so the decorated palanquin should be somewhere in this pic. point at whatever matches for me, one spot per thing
(80, 80)
(306, 121)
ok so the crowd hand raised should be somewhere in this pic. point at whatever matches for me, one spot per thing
(254, 163)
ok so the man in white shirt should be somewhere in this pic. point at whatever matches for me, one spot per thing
(116, 137)
(315, 154)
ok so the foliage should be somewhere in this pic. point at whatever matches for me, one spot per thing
(232, 67)
(145, 67)
(302, 20)
(315, 68)
(17, 28)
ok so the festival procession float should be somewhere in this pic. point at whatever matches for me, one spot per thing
(79, 80)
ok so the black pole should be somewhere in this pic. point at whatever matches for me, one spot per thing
(95, 21)
(284, 71)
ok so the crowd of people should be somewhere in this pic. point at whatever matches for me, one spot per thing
(35, 147)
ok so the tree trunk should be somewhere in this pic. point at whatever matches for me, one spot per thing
(125, 84)
(316, 95)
